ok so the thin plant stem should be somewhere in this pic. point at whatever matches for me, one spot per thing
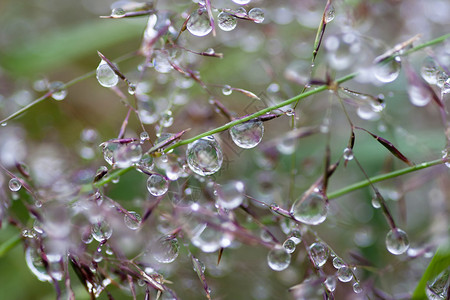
(382, 177)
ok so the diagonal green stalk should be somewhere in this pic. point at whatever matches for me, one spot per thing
(383, 177)
(259, 113)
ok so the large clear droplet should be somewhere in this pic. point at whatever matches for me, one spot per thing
(348, 154)
(36, 264)
(330, 283)
(344, 274)
(330, 13)
(230, 195)
(429, 70)
(132, 220)
(204, 156)
(14, 184)
(226, 22)
(257, 14)
(105, 75)
(248, 134)
(157, 185)
(278, 259)
(319, 254)
(127, 154)
(338, 263)
(357, 288)
(418, 95)
(209, 239)
(198, 23)
(397, 241)
(388, 71)
(101, 231)
(166, 249)
(311, 210)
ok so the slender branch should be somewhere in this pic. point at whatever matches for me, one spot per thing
(383, 177)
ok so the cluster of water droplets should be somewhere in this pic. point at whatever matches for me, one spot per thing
(433, 74)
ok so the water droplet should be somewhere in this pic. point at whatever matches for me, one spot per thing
(132, 220)
(338, 263)
(289, 245)
(127, 154)
(210, 239)
(36, 264)
(101, 231)
(376, 202)
(388, 71)
(257, 14)
(118, 12)
(418, 95)
(319, 254)
(397, 241)
(248, 134)
(198, 23)
(357, 288)
(344, 274)
(166, 249)
(3, 124)
(226, 22)
(157, 185)
(58, 90)
(204, 156)
(242, 2)
(131, 89)
(330, 13)
(227, 90)
(296, 236)
(330, 283)
(311, 210)
(429, 70)
(105, 75)
(161, 62)
(441, 78)
(437, 288)
(240, 12)
(278, 259)
(14, 184)
(229, 195)
(144, 136)
(348, 154)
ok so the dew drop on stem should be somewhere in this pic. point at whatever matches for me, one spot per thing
(257, 14)
(388, 71)
(14, 184)
(59, 92)
(319, 254)
(429, 70)
(226, 22)
(118, 12)
(397, 241)
(198, 23)
(330, 283)
(330, 13)
(157, 185)
(229, 195)
(204, 156)
(278, 259)
(105, 75)
(132, 220)
(101, 231)
(338, 262)
(311, 209)
(126, 155)
(344, 274)
(348, 154)
(227, 90)
(248, 134)
(166, 249)
(289, 245)
(357, 288)
(418, 95)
